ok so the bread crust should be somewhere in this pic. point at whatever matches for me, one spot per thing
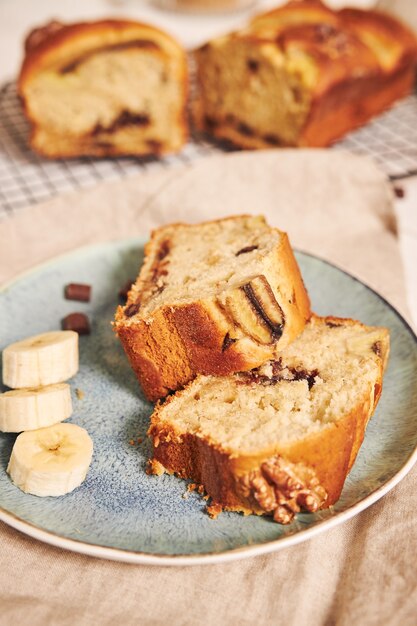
(60, 46)
(180, 340)
(330, 453)
(350, 89)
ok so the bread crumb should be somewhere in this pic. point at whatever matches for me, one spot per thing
(214, 510)
(155, 467)
(79, 393)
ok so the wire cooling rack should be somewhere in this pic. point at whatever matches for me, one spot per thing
(26, 178)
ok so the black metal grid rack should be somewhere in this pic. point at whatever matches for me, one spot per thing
(26, 178)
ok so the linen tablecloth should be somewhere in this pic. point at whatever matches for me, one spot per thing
(363, 572)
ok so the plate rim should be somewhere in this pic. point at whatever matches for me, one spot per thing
(233, 554)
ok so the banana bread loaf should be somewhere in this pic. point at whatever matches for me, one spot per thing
(104, 88)
(302, 75)
(212, 298)
(283, 437)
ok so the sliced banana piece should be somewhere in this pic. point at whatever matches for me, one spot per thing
(41, 360)
(28, 409)
(255, 309)
(51, 461)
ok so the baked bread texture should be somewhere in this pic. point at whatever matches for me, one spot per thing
(104, 88)
(302, 75)
(283, 437)
(212, 298)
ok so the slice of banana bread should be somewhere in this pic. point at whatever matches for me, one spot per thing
(283, 437)
(212, 298)
(302, 75)
(104, 88)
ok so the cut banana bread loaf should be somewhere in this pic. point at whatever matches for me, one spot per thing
(302, 75)
(213, 298)
(283, 437)
(104, 88)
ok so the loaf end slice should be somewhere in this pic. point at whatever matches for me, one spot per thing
(283, 437)
(105, 88)
(302, 75)
(211, 298)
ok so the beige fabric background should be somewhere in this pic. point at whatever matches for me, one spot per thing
(363, 573)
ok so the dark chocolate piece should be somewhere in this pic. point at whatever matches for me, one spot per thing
(253, 65)
(254, 376)
(246, 249)
(154, 145)
(78, 291)
(78, 322)
(274, 140)
(376, 348)
(124, 291)
(332, 324)
(227, 342)
(399, 191)
(164, 250)
(244, 129)
(126, 118)
(276, 329)
(210, 123)
(304, 375)
(132, 309)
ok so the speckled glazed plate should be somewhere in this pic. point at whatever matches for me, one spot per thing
(121, 513)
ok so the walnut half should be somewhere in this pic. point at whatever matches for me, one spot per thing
(283, 489)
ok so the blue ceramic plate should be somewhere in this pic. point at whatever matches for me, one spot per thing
(121, 513)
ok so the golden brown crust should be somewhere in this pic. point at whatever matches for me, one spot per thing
(57, 46)
(330, 453)
(365, 61)
(181, 340)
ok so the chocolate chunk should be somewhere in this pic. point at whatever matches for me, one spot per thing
(272, 139)
(246, 249)
(291, 374)
(154, 145)
(77, 291)
(227, 342)
(126, 118)
(253, 65)
(244, 129)
(305, 375)
(124, 291)
(332, 324)
(376, 348)
(210, 123)
(132, 309)
(164, 250)
(78, 322)
(399, 191)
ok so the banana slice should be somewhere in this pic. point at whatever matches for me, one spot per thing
(51, 461)
(41, 360)
(28, 409)
(255, 309)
